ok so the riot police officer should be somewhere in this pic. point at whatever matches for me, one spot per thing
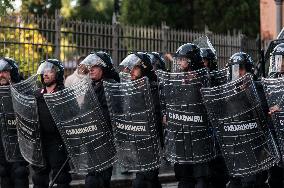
(188, 58)
(276, 70)
(209, 59)
(218, 173)
(140, 66)
(240, 64)
(100, 69)
(51, 73)
(157, 61)
(13, 174)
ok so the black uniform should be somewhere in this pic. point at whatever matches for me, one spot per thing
(13, 174)
(191, 175)
(257, 180)
(150, 179)
(100, 179)
(219, 176)
(54, 151)
(276, 175)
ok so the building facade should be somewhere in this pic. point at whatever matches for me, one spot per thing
(271, 18)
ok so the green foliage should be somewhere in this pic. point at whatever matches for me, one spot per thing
(19, 45)
(5, 5)
(40, 7)
(99, 10)
(224, 15)
(219, 15)
(66, 9)
(177, 14)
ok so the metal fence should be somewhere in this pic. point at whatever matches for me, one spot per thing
(29, 39)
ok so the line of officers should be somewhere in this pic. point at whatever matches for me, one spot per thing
(188, 57)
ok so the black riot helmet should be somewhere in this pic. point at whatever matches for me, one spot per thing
(276, 67)
(104, 61)
(157, 61)
(142, 61)
(49, 64)
(208, 55)
(9, 64)
(190, 53)
(240, 61)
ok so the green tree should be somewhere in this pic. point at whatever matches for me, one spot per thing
(99, 10)
(178, 14)
(66, 9)
(20, 45)
(5, 5)
(231, 15)
(40, 7)
(219, 15)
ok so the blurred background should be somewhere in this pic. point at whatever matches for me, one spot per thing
(32, 30)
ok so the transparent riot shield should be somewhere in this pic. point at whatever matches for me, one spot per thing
(133, 121)
(86, 134)
(188, 133)
(246, 142)
(9, 138)
(219, 77)
(204, 42)
(281, 34)
(274, 91)
(269, 49)
(273, 88)
(25, 107)
(124, 77)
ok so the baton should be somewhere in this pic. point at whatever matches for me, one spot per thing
(58, 173)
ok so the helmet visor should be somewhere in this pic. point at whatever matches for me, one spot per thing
(276, 64)
(4, 65)
(93, 60)
(235, 72)
(204, 42)
(155, 61)
(130, 62)
(47, 67)
(153, 58)
(181, 64)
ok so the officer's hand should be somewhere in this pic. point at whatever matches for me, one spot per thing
(273, 109)
(169, 57)
(165, 120)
